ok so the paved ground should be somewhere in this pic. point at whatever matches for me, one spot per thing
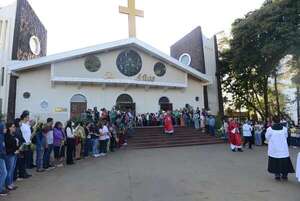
(209, 173)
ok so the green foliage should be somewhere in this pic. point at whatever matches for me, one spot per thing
(259, 41)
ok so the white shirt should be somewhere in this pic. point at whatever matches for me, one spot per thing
(105, 132)
(102, 135)
(50, 137)
(70, 134)
(247, 130)
(26, 132)
(277, 143)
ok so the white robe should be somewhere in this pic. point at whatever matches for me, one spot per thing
(277, 143)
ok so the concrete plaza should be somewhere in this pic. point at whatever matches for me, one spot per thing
(211, 173)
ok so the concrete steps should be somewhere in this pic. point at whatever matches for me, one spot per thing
(154, 137)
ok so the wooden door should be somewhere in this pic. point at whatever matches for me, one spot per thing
(166, 106)
(77, 109)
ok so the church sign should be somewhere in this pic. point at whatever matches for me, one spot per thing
(145, 77)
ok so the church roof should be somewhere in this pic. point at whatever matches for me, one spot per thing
(16, 66)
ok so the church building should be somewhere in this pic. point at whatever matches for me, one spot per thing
(126, 74)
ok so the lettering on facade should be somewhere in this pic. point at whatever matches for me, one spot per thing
(108, 75)
(145, 77)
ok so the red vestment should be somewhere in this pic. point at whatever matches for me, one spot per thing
(234, 134)
(168, 124)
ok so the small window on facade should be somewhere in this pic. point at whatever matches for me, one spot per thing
(92, 63)
(197, 98)
(26, 95)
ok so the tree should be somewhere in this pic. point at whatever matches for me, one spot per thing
(259, 41)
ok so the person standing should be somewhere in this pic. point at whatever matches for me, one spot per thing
(102, 139)
(234, 136)
(39, 136)
(20, 170)
(211, 125)
(70, 143)
(26, 134)
(247, 133)
(88, 141)
(168, 124)
(79, 136)
(3, 171)
(11, 147)
(58, 143)
(279, 162)
(95, 139)
(258, 128)
(225, 129)
(196, 118)
(107, 135)
(49, 146)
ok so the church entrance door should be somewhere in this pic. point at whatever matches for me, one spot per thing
(165, 104)
(125, 102)
(78, 106)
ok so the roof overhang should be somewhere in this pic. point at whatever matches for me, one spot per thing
(16, 66)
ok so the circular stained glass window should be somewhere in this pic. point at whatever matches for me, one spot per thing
(92, 63)
(129, 63)
(35, 45)
(185, 59)
(159, 69)
(26, 95)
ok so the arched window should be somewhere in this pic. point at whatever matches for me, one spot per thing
(78, 98)
(163, 100)
(124, 98)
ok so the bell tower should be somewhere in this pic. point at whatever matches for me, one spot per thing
(22, 37)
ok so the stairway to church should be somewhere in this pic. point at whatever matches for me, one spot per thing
(153, 137)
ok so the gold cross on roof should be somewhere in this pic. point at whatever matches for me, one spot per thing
(132, 13)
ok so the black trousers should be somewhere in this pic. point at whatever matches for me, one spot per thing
(112, 144)
(20, 170)
(70, 150)
(28, 156)
(249, 141)
(103, 146)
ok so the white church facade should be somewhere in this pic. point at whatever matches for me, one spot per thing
(64, 84)
(127, 74)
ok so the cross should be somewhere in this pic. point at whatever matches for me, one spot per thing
(132, 13)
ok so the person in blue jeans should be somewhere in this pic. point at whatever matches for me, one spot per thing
(49, 147)
(95, 140)
(211, 125)
(11, 148)
(3, 171)
(40, 136)
(88, 141)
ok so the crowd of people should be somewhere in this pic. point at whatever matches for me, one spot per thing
(185, 117)
(274, 133)
(26, 144)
